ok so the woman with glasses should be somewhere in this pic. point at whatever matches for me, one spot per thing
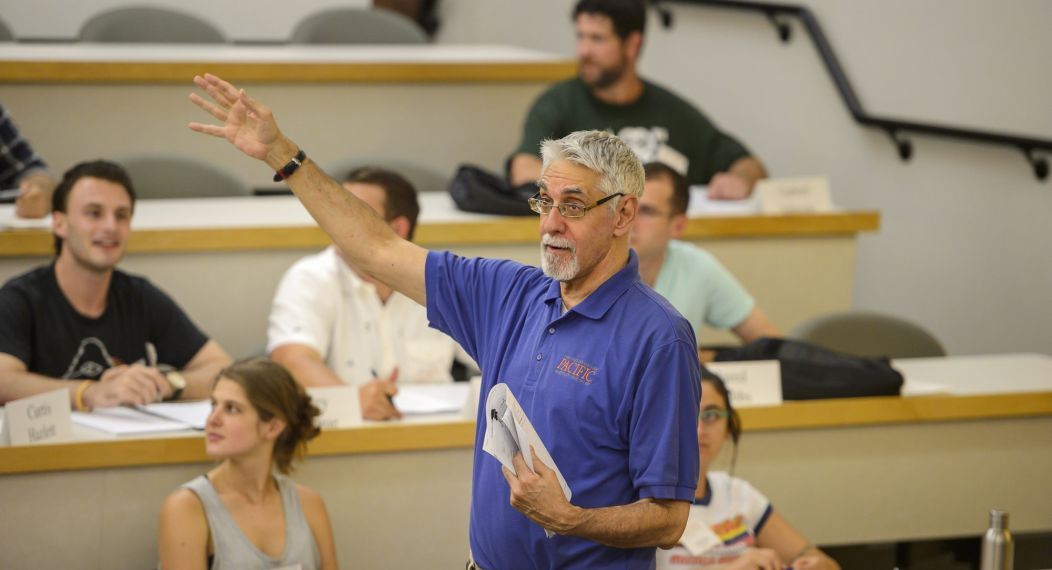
(731, 525)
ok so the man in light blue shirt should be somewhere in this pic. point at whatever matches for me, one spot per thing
(689, 277)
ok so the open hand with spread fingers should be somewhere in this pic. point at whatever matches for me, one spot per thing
(247, 124)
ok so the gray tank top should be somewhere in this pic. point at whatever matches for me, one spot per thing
(233, 550)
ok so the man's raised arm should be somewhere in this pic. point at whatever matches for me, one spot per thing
(353, 226)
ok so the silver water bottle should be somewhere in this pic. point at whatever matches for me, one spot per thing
(997, 543)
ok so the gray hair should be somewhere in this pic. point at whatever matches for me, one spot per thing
(601, 152)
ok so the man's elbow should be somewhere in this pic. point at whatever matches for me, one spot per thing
(675, 524)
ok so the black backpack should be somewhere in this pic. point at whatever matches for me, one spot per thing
(811, 372)
(476, 190)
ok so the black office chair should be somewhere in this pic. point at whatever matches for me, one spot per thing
(5, 33)
(423, 178)
(144, 24)
(869, 334)
(174, 176)
(358, 26)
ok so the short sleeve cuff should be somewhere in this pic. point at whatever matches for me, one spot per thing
(436, 263)
(667, 492)
(296, 339)
(738, 317)
(763, 520)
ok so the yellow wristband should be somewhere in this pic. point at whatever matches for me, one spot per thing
(78, 397)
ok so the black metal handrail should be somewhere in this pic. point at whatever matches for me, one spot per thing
(777, 14)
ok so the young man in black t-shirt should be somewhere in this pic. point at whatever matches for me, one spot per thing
(107, 337)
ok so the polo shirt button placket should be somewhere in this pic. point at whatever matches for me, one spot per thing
(539, 356)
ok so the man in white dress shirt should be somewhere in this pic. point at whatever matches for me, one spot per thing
(330, 325)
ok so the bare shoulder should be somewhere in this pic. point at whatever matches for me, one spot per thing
(183, 504)
(183, 539)
(313, 509)
(309, 498)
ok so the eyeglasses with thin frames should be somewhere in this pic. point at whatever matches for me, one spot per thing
(713, 415)
(566, 209)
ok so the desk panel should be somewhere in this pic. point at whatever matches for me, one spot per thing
(843, 471)
(838, 485)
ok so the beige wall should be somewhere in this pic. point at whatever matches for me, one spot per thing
(455, 123)
(964, 242)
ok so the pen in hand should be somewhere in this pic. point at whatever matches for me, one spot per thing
(391, 379)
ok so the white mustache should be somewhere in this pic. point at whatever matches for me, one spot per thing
(554, 241)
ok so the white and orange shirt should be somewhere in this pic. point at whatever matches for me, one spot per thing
(720, 527)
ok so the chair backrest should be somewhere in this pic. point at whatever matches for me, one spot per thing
(5, 33)
(145, 24)
(869, 334)
(358, 26)
(423, 178)
(173, 176)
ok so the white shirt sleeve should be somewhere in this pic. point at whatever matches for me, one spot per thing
(304, 307)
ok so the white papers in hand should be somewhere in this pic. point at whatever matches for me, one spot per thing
(509, 431)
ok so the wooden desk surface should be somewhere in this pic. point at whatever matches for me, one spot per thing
(1025, 391)
(262, 223)
(152, 63)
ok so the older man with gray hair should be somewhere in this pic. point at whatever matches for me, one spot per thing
(604, 367)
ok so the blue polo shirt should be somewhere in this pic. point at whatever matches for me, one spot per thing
(612, 387)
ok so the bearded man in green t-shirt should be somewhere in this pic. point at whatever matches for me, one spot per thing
(609, 94)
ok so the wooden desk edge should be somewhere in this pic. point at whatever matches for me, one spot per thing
(27, 242)
(394, 437)
(107, 453)
(101, 72)
(858, 412)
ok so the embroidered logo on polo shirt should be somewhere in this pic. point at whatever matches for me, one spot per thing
(577, 370)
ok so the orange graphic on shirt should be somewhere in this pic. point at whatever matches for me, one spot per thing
(732, 531)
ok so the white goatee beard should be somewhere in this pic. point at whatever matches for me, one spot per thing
(554, 267)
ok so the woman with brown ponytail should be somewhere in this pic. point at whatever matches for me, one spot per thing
(246, 512)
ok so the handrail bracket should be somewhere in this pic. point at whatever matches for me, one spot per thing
(781, 24)
(1038, 163)
(902, 144)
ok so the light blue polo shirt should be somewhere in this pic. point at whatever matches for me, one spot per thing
(611, 387)
(701, 288)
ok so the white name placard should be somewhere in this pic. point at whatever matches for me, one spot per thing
(794, 195)
(750, 384)
(339, 406)
(44, 418)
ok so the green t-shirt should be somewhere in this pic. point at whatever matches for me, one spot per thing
(701, 288)
(657, 125)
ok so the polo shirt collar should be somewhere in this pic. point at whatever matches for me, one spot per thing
(599, 301)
